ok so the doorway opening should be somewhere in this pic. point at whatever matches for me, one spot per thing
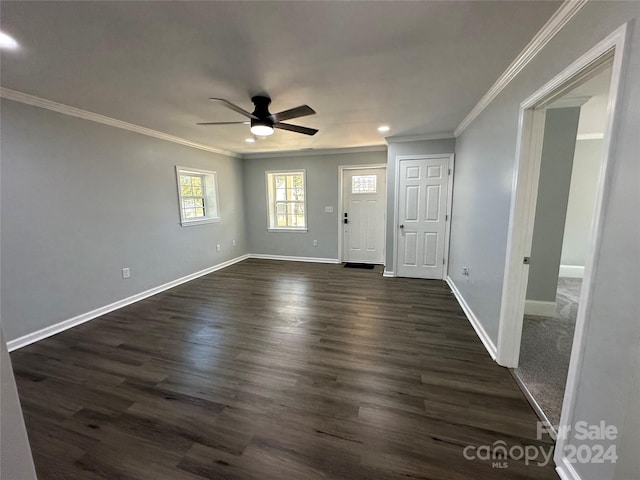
(607, 55)
(362, 214)
(570, 161)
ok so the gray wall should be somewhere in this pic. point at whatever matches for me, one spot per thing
(81, 200)
(582, 198)
(558, 148)
(628, 466)
(485, 154)
(399, 149)
(15, 453)
(322, 190)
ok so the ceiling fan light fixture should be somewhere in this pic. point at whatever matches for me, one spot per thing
(262, 121)
(261, 129)
(8, 42)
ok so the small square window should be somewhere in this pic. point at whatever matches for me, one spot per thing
(363, 184)
(198, 196)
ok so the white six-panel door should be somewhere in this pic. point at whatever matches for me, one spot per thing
(364, 204)
(422, 217)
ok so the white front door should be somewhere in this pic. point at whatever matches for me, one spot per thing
(422, 216)
(363, 216)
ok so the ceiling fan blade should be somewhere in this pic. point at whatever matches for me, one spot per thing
(223, 123)
(295, 128)
(235, 108)
(301, 111)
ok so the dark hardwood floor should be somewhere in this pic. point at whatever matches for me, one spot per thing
(275, 370)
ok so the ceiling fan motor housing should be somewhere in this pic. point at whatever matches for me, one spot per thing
(262, 111)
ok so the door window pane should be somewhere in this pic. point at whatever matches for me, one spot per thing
(363, 183)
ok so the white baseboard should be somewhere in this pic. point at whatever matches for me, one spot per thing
(538, 308)
(571, 271)
(388, 273)
(565, 470)
(85, 317)
(294, 259)
(473, 320)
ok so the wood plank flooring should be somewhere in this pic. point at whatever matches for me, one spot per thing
(274, 370)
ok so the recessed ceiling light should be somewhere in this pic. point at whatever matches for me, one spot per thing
(250, 140)
(383, 128)
(7, 41)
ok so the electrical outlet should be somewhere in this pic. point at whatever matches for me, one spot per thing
(126, 273)
(233, 243)
(217, 248)
(315, 243)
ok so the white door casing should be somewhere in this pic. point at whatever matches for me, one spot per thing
(364, 207)
(422, 216)
(521, 221)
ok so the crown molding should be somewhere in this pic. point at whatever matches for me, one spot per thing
(310, 152)
(417, 138)
(558, 20)
(113, 122)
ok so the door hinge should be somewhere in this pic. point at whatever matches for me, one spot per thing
(449, 171)
(446, 218)
(444, 261)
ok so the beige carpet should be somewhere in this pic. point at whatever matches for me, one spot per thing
(546, 349)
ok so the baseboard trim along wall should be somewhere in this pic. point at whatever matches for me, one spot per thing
(538, 308)
(473, 320)
(551, 428)
(85, 317)
(571, 271)
(98, 312)
(388, 273)
(294, 259)
(566, 471)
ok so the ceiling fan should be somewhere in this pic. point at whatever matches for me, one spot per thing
(262, 121)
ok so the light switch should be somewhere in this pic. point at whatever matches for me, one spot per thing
(328, 209)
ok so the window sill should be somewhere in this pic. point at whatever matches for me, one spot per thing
(287, 230)
(200, 221)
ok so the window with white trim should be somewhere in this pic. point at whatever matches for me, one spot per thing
(287, 200)
(198, 196)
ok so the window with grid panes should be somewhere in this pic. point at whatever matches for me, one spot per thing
(197, 191)
(287, 200)
(363, 183)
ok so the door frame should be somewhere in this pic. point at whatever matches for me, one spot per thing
(396, 199)
(523, 203)
(341, 170)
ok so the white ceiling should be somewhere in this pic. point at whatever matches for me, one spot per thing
(418, 66)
